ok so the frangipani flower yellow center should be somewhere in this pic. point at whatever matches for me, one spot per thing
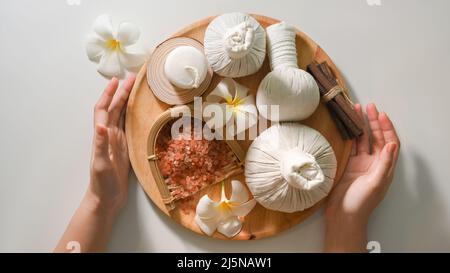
(238, 109)
(226, 205)
(113, 44)
(234, 103)
(224, 215)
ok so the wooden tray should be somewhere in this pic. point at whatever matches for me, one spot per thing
(144, 107)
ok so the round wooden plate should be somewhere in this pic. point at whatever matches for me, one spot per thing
(144, 107)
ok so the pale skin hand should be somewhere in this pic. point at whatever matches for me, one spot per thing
(363, 186)
(107, 193)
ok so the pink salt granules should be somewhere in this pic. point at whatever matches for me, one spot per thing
(189, 165)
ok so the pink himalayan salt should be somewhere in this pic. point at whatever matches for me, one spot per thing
(189, 165)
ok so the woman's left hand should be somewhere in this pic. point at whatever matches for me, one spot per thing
(110, 164)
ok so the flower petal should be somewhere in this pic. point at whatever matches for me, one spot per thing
(207, 215)
(109, 65)
(248, 105)
(103, 27)
(131, 60)
(128, 33)
(243, 209)
(230, 227)
(216, 115)
(221, 92)
(207, 208)
(240, 91)
(95, 48)
(246, 114)
(208, 226)
(239, 193)
(244, 120)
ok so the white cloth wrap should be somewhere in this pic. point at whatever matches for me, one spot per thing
(290, 167)
(235, 45)
(281, 46)
(294, 90)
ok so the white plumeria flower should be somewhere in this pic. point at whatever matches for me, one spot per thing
(230, 105)
(224, 215)
(110, 48)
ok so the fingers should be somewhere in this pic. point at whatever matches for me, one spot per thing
(375, 127)
(389, 133)
(101, 108)
(390, 136)
(119, 101)
(122, 120)
(119, 151)
(101, 150)
(394, 163)
(385, 163)
(362, 143)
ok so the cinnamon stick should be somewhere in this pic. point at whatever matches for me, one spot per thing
(327, 72)
(339, 124)
(339, 105)
(342, 101)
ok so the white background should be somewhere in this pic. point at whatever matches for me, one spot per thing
(395, 54)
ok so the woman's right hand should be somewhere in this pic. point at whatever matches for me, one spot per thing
(364, 184)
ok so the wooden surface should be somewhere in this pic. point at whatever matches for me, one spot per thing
(143, 108)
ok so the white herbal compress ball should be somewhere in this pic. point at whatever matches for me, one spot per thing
(235, 45)
(290, 167)
(292, 89)
(186, 67)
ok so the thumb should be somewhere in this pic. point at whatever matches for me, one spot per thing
(101, 142)
(385, 162)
